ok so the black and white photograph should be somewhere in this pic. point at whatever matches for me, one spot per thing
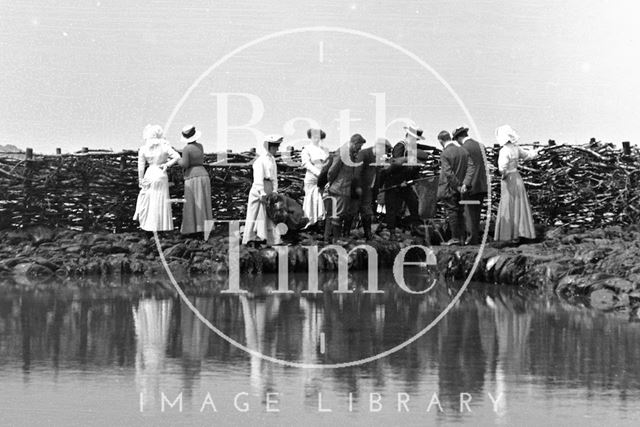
(336, 213)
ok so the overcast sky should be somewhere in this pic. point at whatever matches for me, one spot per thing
(93, 73)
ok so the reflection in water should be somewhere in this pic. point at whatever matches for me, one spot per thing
(495, 340)
(151, 320)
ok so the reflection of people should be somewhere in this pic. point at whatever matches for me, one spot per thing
(153, 208)
(257, 316)
(453, 168)
(265, 181)
(341, 178)
(197, 185)
(312, 157)
(514, 218)
(475, 182)
(151, 321)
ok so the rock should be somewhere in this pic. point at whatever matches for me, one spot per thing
(21, 268)
(40, 234)
(603, 299)
(634, 296)
(175, 251)
(104, 248)
(618, 285)
(74, 249)
(37, 271)
(16, 237)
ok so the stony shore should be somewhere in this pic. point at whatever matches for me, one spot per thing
(598, 268)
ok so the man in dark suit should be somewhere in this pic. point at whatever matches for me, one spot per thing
(474, 188)
(453, 168)
(397, 175)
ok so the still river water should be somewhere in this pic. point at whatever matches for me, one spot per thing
(69, 358)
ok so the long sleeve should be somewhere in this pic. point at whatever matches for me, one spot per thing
(184, 161)
(362, 161)
(307, 163)
(503, 159)
(471, 172)
(336, 165)
(526, 154)
(451, 178)
(141, 165)
(173, 156)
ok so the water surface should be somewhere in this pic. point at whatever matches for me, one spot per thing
(72, 359)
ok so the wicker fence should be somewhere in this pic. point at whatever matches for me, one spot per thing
(588, 186)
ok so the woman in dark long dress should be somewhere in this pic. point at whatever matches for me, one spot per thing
(197, 185)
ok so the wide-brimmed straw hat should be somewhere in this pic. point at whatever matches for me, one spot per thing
(190, 134)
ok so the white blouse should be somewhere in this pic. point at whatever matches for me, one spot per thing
(312, 156)
(510, 155)
(265, 168)
(156, 152)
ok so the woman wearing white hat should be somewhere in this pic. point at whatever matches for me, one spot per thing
(153, 208)
(514, 220)
(197, 185)
(258, 226)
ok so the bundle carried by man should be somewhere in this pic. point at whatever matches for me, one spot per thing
(283, 209)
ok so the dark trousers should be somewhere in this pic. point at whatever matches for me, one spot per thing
(454, 213)
(472, 216)
(394, 202)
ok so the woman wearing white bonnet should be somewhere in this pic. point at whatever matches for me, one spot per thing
(153, 208)
(514, 220)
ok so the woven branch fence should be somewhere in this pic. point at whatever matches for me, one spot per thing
(576, 186)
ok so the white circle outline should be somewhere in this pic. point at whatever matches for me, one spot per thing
(455, 299)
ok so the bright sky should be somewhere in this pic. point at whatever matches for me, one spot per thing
(93, 73)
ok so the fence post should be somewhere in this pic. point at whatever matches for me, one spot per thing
(27, 214)
(123, 162)
(626, 148)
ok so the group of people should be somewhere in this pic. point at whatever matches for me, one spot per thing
(153, 207)
(344, 185)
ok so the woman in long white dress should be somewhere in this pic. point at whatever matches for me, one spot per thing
(514, 218)
(312, 157)
(153, 208)
(258, 226)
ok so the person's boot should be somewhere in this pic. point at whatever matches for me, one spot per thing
(366, 227)
(346, 227)
(336, 232)
(327, 231)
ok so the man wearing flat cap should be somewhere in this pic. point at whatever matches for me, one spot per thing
(258, 227)
(474, 187)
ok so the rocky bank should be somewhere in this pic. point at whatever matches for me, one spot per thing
(598, 268)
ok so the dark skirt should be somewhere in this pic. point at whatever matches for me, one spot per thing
(197, 204)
